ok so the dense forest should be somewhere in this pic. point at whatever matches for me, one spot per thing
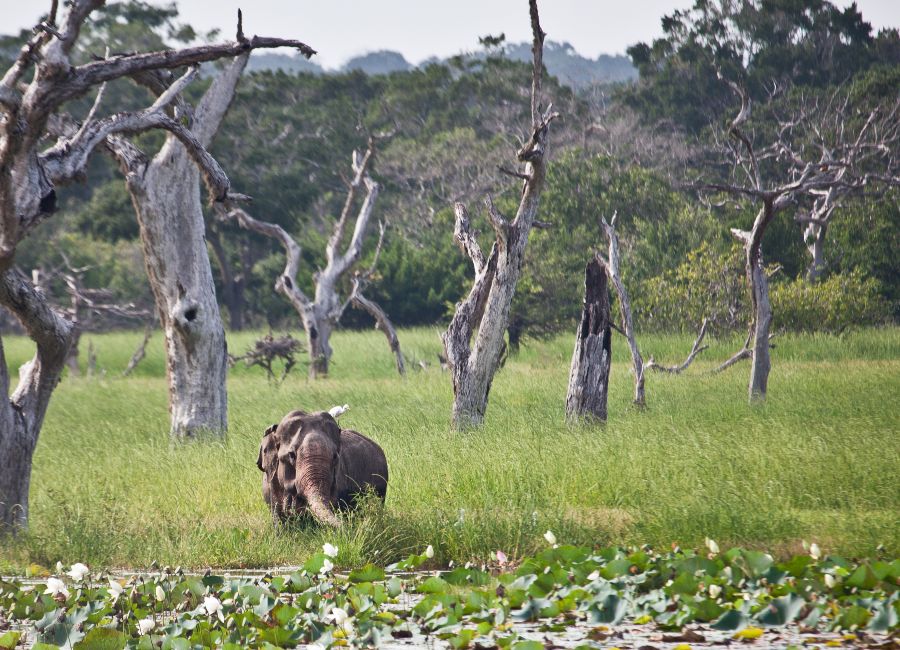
(638, 148)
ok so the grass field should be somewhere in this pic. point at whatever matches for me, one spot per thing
(818, 462)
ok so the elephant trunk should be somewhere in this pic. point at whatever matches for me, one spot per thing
(315, 482)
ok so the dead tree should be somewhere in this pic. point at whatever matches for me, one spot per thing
(28, 176)
(165, 191)
(612, 270)
(321, 315)
(845, 159)
(486, 308)
(591, 361)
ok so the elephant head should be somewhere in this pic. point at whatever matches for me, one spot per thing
(267, 462)
(308, 455)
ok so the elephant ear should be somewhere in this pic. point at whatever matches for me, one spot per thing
(259, 459)
(271, 429)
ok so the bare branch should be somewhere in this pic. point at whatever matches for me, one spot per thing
(287, 281)
(696, 349)
(465, 239)
(498, 223)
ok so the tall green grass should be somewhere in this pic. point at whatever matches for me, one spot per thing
(818, 461)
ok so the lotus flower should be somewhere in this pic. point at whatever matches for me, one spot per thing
(429, 552)
(79, 572)
(145, 626)
(160, 593)
(327, 566)
(814, 551)
(115, 588)
(56, 586)
(213, 607)
(329, 549)
(550, 537)
(714, 591)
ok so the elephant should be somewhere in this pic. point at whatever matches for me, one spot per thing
(311, 465)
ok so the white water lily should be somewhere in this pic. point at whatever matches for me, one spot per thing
(327, 566)
(550, 537)
(714, 591)
(829, 581)
(593, 575)
(59, 567)
(814, 551)
(56, 586)
(213, 607)
(115, 588)
(145, 626)
(79, 572)
(329, 549)
(339, 615)
(712, 546)
(160, 593)
(429, 552)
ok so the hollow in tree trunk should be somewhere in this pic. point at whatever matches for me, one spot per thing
(589, 374)
(166, 195)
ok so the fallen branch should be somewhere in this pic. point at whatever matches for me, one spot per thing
(695, 350)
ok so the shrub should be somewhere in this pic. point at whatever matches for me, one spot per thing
(842, 300)
(709, 284)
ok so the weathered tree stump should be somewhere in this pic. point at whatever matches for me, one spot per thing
(589, 376)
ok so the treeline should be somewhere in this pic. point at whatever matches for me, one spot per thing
(634, 149)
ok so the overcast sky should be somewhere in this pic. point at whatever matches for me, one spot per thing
(340, 29)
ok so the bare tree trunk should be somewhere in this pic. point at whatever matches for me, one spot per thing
(166, 196)
(589, 374)
(22, 414)
(761, 306)
(814, 237)
(486, 308)
(612, 270)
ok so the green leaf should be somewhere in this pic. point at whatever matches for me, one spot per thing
(433, 585)
(854, 616)
(102, 638)
(10, 640)
(863, 578)
(731, 620)
(368, 573)
(781, 611)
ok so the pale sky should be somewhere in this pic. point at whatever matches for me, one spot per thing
(340, 29)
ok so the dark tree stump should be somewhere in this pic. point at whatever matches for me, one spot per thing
(589, 376)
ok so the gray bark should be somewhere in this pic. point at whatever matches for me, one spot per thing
(589, 374)
(22, 414)
(486, 308)
(166, 196)
(761, 307)
(612, 270)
